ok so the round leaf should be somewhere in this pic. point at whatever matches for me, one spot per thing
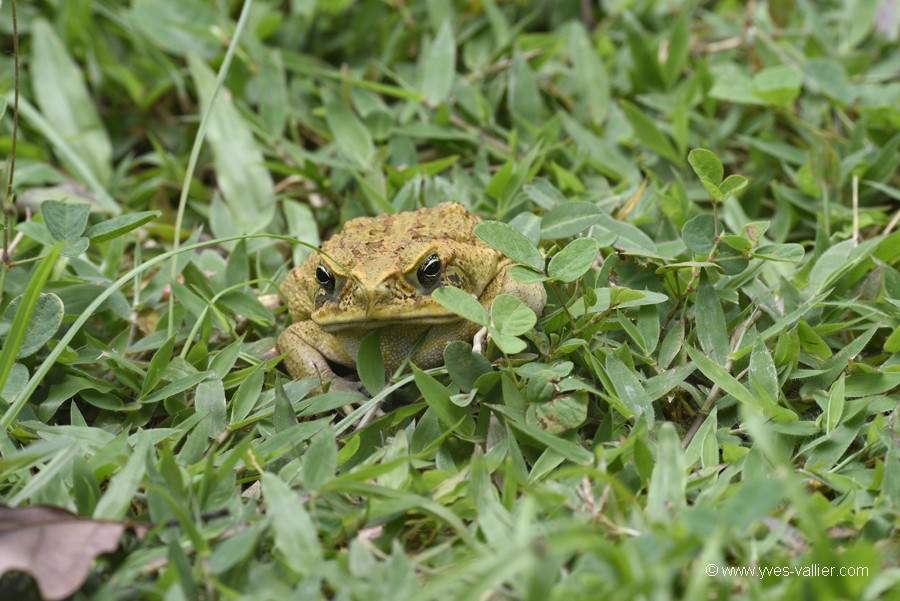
(699, 234)
(462, 303)
(562, 413)
(45, 321)
(706, 165)
(511, 316)
(569, 219)
(511, 243)
(733, 184)
(464, 365)
(574, 260)
(65, 220)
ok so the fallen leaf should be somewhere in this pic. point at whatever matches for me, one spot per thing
(54, 545)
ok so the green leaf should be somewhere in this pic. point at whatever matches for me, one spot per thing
(755, 230)
(707, 165)
(780, 12)
(462, 303)
(738, 243)
(719, 376)
(870, 384)
(296, 540)
(762, 370)
(438, 399)
(178, 27)
(526, 275)
(222, 362)
(649, 134)
(464, 365)
(811, 341)
(43, 323)
(835, 408)
(732, 185)
(122, 487)
(320, 459)
(65, 101)
(210, 400)
(65, 220)
(237, 270)
(758, 497)
(524, 96)
(561, 414)
(788, 253)
(511, 243)
(510, 317)
(247, 395)
(662, 383)
(699, 234)
(574, 260)
(703, 446)
(591, 79)
(353, 139)
(545, 194)
(778, 85)
(120, 225)
(712, 331)
(836, 261)
(665, 494)
(439, 66)
(729, 384)
(21, 322)
(370, 362)
(628, 388)
(179, 385)
(838, 362)
(830, 78)
(733, 85)
(679, 48)
(246, 184)
(564, 448)
(568, 219)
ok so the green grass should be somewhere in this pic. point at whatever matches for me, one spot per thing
(708, 190)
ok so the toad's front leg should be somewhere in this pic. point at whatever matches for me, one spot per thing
(309, 349)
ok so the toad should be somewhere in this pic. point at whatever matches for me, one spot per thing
(379, 273)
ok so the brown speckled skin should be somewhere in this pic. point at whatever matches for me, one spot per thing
(375, 262)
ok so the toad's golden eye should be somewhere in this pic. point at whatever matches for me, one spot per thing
(325, 278)
(429, 270)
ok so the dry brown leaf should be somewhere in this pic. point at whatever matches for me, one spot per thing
(54, 545)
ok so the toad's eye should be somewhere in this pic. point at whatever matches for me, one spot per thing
(429, 270)
(325, 278)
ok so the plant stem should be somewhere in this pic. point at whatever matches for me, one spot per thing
(9, 206)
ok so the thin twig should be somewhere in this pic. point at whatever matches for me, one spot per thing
(8, 199)
(892, 224)
(9, 206)
(855, 210)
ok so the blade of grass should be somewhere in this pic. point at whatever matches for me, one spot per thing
(16, 405)
(23, 314)
(65, 151)
(198, 144)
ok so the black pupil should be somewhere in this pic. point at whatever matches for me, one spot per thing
(326, 280)
(430, 270)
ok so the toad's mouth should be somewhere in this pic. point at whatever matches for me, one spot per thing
(374, 320)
